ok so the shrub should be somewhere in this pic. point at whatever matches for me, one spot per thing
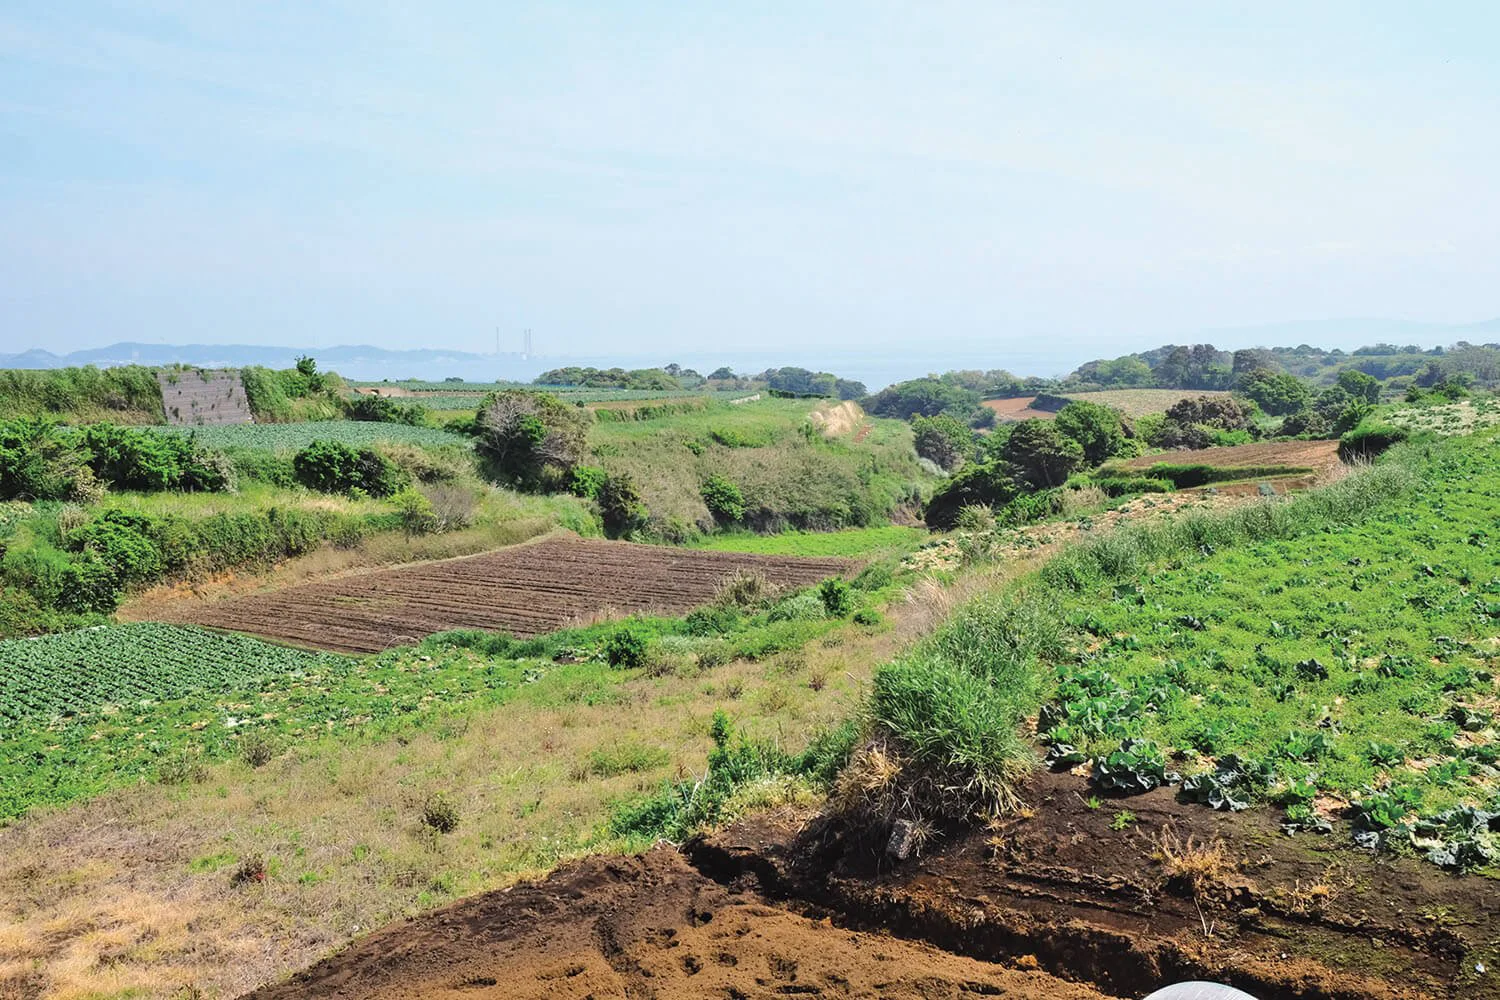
(975, 517)
(723, 499)
(453, 505)
(532, 440)
(803, 607)
(943, 440)
(291, 394)
(440, 813)
(40, 462)
(1119, 486)
(1369, 440)
(334, 467)
(378, 409)
(867, 616)
(620, 505)
(257, 749)
(625, 648)
(745, 588)
(587, 481)
(837, 600)
(417, 515)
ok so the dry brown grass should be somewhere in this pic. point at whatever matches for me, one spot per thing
(1206, 868)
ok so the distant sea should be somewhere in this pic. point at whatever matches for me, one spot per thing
(876, 369)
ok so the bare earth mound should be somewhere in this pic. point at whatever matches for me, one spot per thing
(1064, 902)
(646, 927)
(525, 590)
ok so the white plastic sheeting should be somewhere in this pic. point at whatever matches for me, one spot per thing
(1199, 991)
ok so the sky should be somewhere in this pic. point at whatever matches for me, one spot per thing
(629, 178)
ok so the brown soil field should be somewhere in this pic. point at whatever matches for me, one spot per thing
(1131, 402)
(1018, 409)
(525, 590)
(1051, 903)
(1316, 455)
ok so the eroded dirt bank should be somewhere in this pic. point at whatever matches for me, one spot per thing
(647, 927)
(1056, 904)
(1179, 893)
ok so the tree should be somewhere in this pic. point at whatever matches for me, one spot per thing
(922, 397)
(1359, 385)
(1098, 430)
(1275, 392)
(531, 439)
(1221, 412)
(943, 440)
(1040, 456)
(724, 373)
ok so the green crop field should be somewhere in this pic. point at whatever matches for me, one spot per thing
(1461, 417)
(291, 437)
(84, 711)
(1353, 663)
(851, 543)
(75, 673)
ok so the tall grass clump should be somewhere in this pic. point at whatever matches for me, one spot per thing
(945, 720)
(1130, 550)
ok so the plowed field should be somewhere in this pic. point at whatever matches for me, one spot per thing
(1315, 455)
(525, 590)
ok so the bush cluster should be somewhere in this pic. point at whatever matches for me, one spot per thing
(335, 467)
(41, 461)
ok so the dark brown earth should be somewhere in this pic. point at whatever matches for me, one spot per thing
(647, 927)
(1053, 904)
(525, 590)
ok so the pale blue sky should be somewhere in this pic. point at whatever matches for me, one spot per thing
(655, 177)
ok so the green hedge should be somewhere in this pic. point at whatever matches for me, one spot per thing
(1369, 440)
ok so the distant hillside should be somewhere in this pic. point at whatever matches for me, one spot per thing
(359, 361)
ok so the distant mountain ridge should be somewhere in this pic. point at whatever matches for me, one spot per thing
(360, 361)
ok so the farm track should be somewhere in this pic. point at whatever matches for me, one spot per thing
(1058, 904)
(525, 590)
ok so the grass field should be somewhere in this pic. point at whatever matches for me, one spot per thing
(850, 543)
(1139, 402)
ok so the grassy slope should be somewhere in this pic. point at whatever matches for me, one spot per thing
(776, 465)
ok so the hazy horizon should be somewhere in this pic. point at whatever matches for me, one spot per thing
(845, 177)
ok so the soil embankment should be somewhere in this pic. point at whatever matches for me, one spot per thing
(1067, 901)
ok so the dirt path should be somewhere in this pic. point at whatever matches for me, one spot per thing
(647, 927)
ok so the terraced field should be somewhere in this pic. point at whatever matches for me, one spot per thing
(525, 590)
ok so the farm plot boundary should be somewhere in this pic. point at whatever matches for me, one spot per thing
(525, 590)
